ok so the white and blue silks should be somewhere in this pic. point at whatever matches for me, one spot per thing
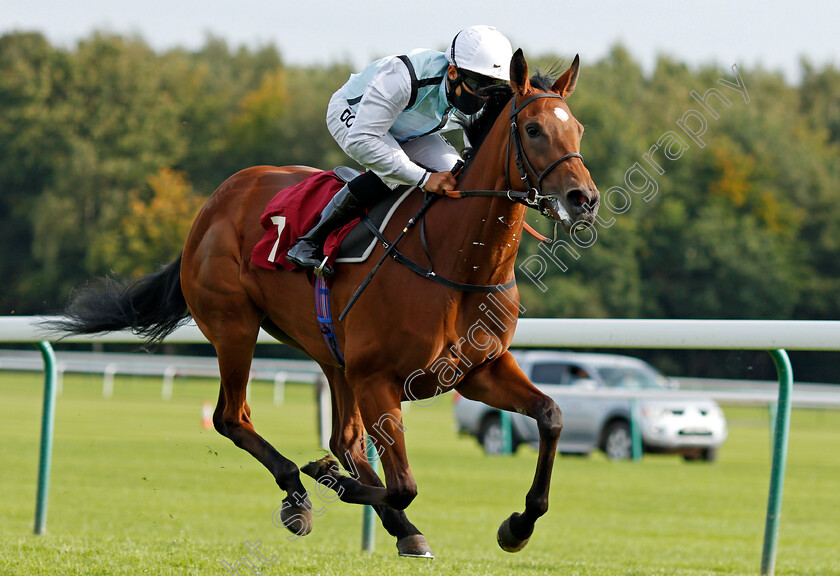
(390, 116)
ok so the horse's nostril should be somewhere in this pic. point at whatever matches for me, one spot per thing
(577, 198)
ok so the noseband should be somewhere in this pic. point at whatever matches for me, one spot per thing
(534, 193)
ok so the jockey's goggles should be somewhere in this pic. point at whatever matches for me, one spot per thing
(478, 82)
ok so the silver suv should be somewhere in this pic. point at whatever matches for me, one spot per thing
(598, 394)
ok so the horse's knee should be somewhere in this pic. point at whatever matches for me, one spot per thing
(399, 498)
(550, 418)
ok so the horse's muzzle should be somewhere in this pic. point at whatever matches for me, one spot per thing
(576, 206)
(553, 208)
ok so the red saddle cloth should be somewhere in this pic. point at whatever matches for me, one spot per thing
(291, 214)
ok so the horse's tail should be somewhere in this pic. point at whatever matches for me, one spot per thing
(151, 306)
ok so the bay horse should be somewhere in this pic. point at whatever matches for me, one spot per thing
(406, 338)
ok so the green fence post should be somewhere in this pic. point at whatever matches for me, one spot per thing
(635, 432)
(47, 426)
(368, 513)
(777, 472)
(507, 432)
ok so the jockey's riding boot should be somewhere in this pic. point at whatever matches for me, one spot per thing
(307, 251)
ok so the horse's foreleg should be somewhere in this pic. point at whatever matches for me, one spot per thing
(379, 407)
(503, 385)
(346, 443)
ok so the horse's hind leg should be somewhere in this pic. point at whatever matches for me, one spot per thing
(234, 338)
(347, 443)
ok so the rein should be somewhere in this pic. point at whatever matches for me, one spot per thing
(531, 197)
(391, 250)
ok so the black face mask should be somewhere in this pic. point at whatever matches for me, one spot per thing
(467, 103)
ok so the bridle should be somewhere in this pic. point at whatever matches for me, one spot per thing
(534, 193)
(532, 197)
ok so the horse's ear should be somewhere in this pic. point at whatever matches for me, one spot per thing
(519, 72)
(565, 85)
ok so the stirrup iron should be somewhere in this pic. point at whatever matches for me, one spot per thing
(321, 268)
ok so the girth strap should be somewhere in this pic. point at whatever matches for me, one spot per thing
(323, 312)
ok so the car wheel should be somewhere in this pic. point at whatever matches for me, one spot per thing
(618, 442)
(704, 454)
(490, 435)
(691, 456)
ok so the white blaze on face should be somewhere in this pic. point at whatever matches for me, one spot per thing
(562, 114)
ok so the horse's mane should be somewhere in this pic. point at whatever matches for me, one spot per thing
(477, 128)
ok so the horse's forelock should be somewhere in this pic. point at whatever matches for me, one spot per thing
(544, 80)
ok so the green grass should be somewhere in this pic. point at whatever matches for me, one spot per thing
(139, 487)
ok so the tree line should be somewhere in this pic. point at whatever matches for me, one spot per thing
(108, 149)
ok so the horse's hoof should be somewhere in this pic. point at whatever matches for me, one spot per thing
(507, 540)
(297, 520)
(322, 467)
(414, 546)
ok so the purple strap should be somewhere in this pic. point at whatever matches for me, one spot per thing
(324, 315)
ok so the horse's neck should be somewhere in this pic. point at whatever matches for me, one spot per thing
(491, 239)
(482, 234)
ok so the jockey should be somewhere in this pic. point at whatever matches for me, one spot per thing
(388, 118)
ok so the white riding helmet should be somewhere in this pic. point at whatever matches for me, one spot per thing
(482, 50)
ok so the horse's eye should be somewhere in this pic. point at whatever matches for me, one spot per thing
(532, 130)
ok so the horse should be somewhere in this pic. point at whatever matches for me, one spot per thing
(407, 337)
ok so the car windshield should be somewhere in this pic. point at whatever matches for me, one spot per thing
(631, 377)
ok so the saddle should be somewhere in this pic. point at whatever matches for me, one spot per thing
(296, 209)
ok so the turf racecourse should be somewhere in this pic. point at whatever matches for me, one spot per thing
(139, 487)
